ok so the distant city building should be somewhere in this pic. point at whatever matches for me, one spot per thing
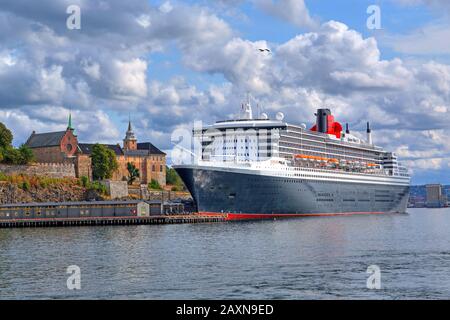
(416, 202)
(63, 147)
(435, 197)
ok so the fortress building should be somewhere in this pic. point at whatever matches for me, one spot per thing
(54, 147)
(63, 147)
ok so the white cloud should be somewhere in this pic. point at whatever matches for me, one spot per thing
(441, 109)
(85, 121)
(115, 45)
(240, 61)
(129, 78)
(166, 7)
(425, 164)
(50, 86)
(144, 20)
(436, 77)
(91, 69)
(293, 11)
(433, 39)
(7, 59)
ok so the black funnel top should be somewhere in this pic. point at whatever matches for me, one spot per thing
(322, 120)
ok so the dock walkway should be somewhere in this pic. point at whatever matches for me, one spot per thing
(107, 221)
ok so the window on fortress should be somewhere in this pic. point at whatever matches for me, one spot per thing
(160, 168)
(153, 168)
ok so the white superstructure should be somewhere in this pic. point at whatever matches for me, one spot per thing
(276, 147)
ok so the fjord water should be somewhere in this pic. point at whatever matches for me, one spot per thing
(301, 258)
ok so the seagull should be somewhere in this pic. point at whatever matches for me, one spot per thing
(262, 50)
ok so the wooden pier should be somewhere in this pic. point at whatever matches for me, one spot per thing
(108, 221)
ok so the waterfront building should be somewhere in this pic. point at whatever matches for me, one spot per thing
(435, 197)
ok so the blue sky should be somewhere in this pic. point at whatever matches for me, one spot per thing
(396, 19)
(255, 24)
(168, 63)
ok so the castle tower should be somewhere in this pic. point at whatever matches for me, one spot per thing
(130, 141)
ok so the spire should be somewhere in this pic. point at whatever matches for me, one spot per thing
(130, 141)
(69, 124)
(130, 134)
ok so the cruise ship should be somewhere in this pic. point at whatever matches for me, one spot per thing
(256, 167)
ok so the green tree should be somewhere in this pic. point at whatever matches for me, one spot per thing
(104, 162)
(26, 155)
(174, 179)
(154, 185)
(98, 187)
(84, 181)
(133, 173)
(6, 136)
(11, 155)
(25, 186)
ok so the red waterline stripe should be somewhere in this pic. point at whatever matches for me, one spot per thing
(246, 216)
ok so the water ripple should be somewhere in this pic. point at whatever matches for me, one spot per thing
(307, 258)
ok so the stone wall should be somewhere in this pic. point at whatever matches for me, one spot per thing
(54, 170)
(116, 189)
(83, 166)
(48, 154)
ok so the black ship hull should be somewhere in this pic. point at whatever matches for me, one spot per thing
(241, 195)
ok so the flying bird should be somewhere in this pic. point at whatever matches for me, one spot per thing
(262, 50)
